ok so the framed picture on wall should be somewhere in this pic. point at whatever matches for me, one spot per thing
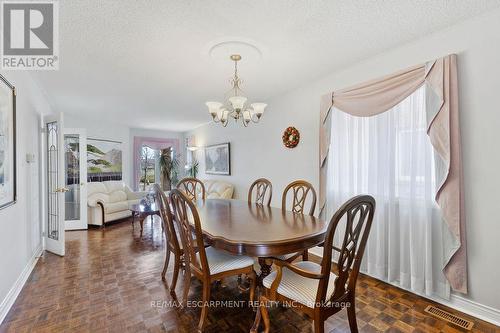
(7, 143)
(218, 159)
(104, 160)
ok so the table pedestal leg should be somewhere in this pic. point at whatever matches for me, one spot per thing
(265, 269)
(141, 221)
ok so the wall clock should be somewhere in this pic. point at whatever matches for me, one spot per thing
(291, 137)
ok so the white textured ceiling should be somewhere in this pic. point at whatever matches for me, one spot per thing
(145, 63)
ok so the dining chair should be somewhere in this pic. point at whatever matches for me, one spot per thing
(313, 288)
(172, 243)
(261, 186)
(206, 264)
(191, 187)
(301, 190)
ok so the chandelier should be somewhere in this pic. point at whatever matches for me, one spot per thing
(234, 106)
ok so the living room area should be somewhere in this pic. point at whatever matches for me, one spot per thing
(249, 166)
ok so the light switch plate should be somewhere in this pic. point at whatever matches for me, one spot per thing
(30, 158)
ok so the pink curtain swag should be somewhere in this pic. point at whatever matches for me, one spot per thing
(377, 96)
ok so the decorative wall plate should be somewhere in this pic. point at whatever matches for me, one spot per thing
(291, 137)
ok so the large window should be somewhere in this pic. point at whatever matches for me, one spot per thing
(147, 153)
(390, 157)
(149, 167)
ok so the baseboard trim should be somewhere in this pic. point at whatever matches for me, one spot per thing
(456, 302)
(11, 296)
(472, 308)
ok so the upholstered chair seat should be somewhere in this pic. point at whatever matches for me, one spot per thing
(220, 261)
(298, 287)
(286, 256)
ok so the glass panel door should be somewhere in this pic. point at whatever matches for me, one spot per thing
(54, 184)
(75, 169)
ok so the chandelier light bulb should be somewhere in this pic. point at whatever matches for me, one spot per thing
(258, 109)
(238, 102)
(213, 108)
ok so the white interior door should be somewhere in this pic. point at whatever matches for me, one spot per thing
(75, 170)
(54, 184)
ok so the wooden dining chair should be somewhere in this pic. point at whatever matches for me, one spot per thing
(191, 187)
(172, 241)
(262, 188)
(313, 288)
(206, 264)
(301, 190)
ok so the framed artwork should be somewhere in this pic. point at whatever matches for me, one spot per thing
(104, 160)
(218, 159)
(7, 143)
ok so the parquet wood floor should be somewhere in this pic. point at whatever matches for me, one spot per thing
(108, 280)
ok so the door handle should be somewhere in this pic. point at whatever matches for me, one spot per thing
(62, 190)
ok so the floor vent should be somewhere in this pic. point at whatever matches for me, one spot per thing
(449, 317)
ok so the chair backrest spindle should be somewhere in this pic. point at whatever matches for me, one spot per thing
(190, 188)
(186, 216)
(262, 188)
(165, 209)
(301, 190)
(358, 213)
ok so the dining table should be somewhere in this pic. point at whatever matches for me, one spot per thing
(243, 228)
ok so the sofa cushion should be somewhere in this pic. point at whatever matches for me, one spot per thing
(216, 189)
(208, 184)
(96, 187)
(97, 197)
(115, 207)
(133, 202)
(114, 185)
(117, 196)
(213, 196)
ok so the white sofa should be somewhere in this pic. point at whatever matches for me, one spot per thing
(115, 198)
(217, 189)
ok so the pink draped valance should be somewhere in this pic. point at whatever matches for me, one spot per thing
(377, 96)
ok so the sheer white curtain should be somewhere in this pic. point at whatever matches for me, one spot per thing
(390, 157)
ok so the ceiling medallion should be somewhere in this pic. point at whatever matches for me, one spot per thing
(234, 106)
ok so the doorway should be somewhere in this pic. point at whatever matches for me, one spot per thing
(64, 190)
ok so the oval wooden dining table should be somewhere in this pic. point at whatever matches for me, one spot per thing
(243, 228)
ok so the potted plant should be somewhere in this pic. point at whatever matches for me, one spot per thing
(169, 169)
(192, 170)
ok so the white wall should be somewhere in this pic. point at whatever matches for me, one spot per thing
(20, 224)
(257, 151)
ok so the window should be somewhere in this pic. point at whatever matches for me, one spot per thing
(149, 166)
(390, 157)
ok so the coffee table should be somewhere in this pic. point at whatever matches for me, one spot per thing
(142, 211)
